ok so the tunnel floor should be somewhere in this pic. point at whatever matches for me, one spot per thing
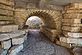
(38, 44)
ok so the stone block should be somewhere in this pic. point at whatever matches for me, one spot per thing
(6, 18)
(6, 22)
(75, 35)
(73, 11)
(18, 40)
(7, 2)
(16, 33)
(8, 28)
(2, 6)
(6, 44)
(67, 45)
(3, 52)
(72, 15)
(6, 12)
(15, 49)
(6, 36)
(72, 24)
(71, 40)
(71, 29)
(72, 21)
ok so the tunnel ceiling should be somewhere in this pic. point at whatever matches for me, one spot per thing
(64, 2)
(43, 4)
(56, 2)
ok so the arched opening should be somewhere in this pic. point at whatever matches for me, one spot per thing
(47, 19)
(48, 28)
(52, 24)
(34, 22)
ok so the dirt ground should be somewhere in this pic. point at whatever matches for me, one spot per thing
(38, 44)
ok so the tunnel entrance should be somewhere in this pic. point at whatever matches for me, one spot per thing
(34, 22)
(51, 21)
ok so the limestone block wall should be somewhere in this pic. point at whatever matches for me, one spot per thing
(6, 9)
(72, 25)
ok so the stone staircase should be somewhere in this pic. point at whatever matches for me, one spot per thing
(11, 39)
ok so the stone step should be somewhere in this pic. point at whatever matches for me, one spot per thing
(6, 36)
(8, 28)
(71, 40)
(3, 22)
(75, 35)
(18, 40)
(15, 49)
(67, 45)
(6, 44)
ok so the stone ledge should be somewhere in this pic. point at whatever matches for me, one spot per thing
(18, 40)
(6, 44)
(8, 28)
(6, 36)
(71, 40)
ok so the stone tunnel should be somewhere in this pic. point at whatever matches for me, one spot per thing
(61, 33)
(51, 18)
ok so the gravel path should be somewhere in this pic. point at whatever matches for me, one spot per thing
(38, 44)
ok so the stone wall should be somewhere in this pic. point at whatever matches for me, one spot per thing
(6, 9)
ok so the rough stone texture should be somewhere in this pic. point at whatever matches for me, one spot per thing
(8, 28)
(51, 18)
(6, 12)
(67, 45)
(71, 40)
(6, 36)
(6, 7)
(3, 52)
(7, 2)
(6, 44)
(6, 18)
(6, 22)
(76, 35)
(18, 40)
(50, 33)
(38, 44)
(15, 49)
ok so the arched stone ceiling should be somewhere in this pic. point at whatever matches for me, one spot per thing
(43, 4)
(56, 2)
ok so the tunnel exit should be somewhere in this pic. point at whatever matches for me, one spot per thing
(34, 22)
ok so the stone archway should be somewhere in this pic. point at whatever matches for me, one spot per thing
(45, 17)
(51, 18)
